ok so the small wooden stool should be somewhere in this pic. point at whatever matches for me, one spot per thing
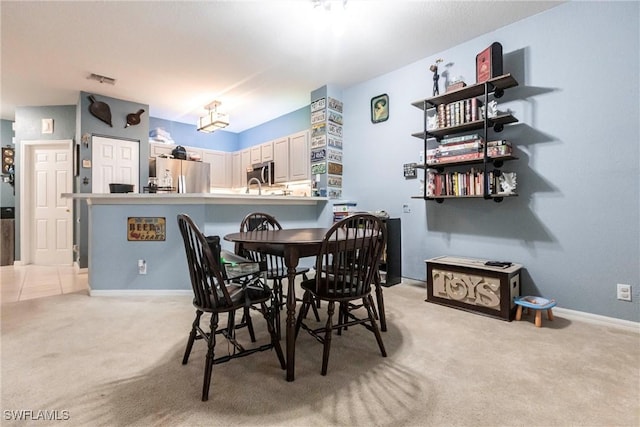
(535, 303)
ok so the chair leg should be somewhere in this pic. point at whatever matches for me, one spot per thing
(277, 304)
(374, 326)
(208, 364)
(231, 323)
(343, 309)
(380, 300)
(268, 314)
(327, 338)
(247, 319)
(306, 301)
(314, 307)
(192, 337)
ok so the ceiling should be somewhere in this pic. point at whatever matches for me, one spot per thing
(262, 59)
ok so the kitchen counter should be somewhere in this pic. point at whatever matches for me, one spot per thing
(112, 259)
(192, 199)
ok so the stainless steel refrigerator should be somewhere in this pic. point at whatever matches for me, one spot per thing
(188, 176)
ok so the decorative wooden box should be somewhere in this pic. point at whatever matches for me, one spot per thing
(469, 284)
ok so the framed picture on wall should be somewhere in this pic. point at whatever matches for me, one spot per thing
(379, 108)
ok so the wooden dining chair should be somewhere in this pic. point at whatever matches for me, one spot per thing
(216, 294)
(276, 269)
(346, 267)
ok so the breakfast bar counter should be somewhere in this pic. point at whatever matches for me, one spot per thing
(193, 198)
(114, 251)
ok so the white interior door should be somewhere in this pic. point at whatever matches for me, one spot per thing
(114, 161)
(47, 224)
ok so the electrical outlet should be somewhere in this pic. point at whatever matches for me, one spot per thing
(624, 292)
(142, 266)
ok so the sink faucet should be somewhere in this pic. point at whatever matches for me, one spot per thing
(259, 185)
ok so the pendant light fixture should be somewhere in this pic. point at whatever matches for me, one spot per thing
(213, 120)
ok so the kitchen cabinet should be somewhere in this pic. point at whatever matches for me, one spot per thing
(267, 151)
(236, 169)
(281, 160)
(194, 153)
(245, 155)
(291, 158)
(220, 164)
(240, 161)
(256, 154)
(157, 148)
(299, 164)
(262, 153)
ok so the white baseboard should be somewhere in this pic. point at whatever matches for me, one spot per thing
(598, 319)
(570, 314)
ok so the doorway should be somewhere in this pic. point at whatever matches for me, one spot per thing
(46, 219)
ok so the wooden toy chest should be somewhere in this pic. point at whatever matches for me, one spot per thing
(469, 284)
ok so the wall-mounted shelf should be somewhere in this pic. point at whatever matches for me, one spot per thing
(497, 86)
(457, 112)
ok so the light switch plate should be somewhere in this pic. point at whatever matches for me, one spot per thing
(47, 125)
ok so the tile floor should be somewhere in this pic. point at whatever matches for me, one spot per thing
(23, 282)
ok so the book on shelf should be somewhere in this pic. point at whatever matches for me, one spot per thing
(472, 150)
(458, 112)
(345, 207)
(461, 138)
(469, 183)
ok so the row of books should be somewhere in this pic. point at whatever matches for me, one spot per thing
(343, 210)
(457, 113)
(470, 183)
(469, 150)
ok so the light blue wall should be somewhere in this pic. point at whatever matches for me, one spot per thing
(287, 124)
(28, 128)
(575, 225)
(7, 198)
(88, 124)
(185, 134)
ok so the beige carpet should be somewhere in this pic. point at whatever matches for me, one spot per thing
(105, 361)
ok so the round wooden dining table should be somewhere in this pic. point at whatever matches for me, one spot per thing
(292, 244)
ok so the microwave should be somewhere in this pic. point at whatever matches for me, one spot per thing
(263, 172)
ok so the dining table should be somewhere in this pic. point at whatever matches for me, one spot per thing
(292, 244)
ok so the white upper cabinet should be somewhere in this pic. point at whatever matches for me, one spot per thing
(256, 154)
(220, 164)
(267, 151)
(281, 159)
(291, 158)
(245, 156)
(157, 148)
(236, 170)
(299, 163)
